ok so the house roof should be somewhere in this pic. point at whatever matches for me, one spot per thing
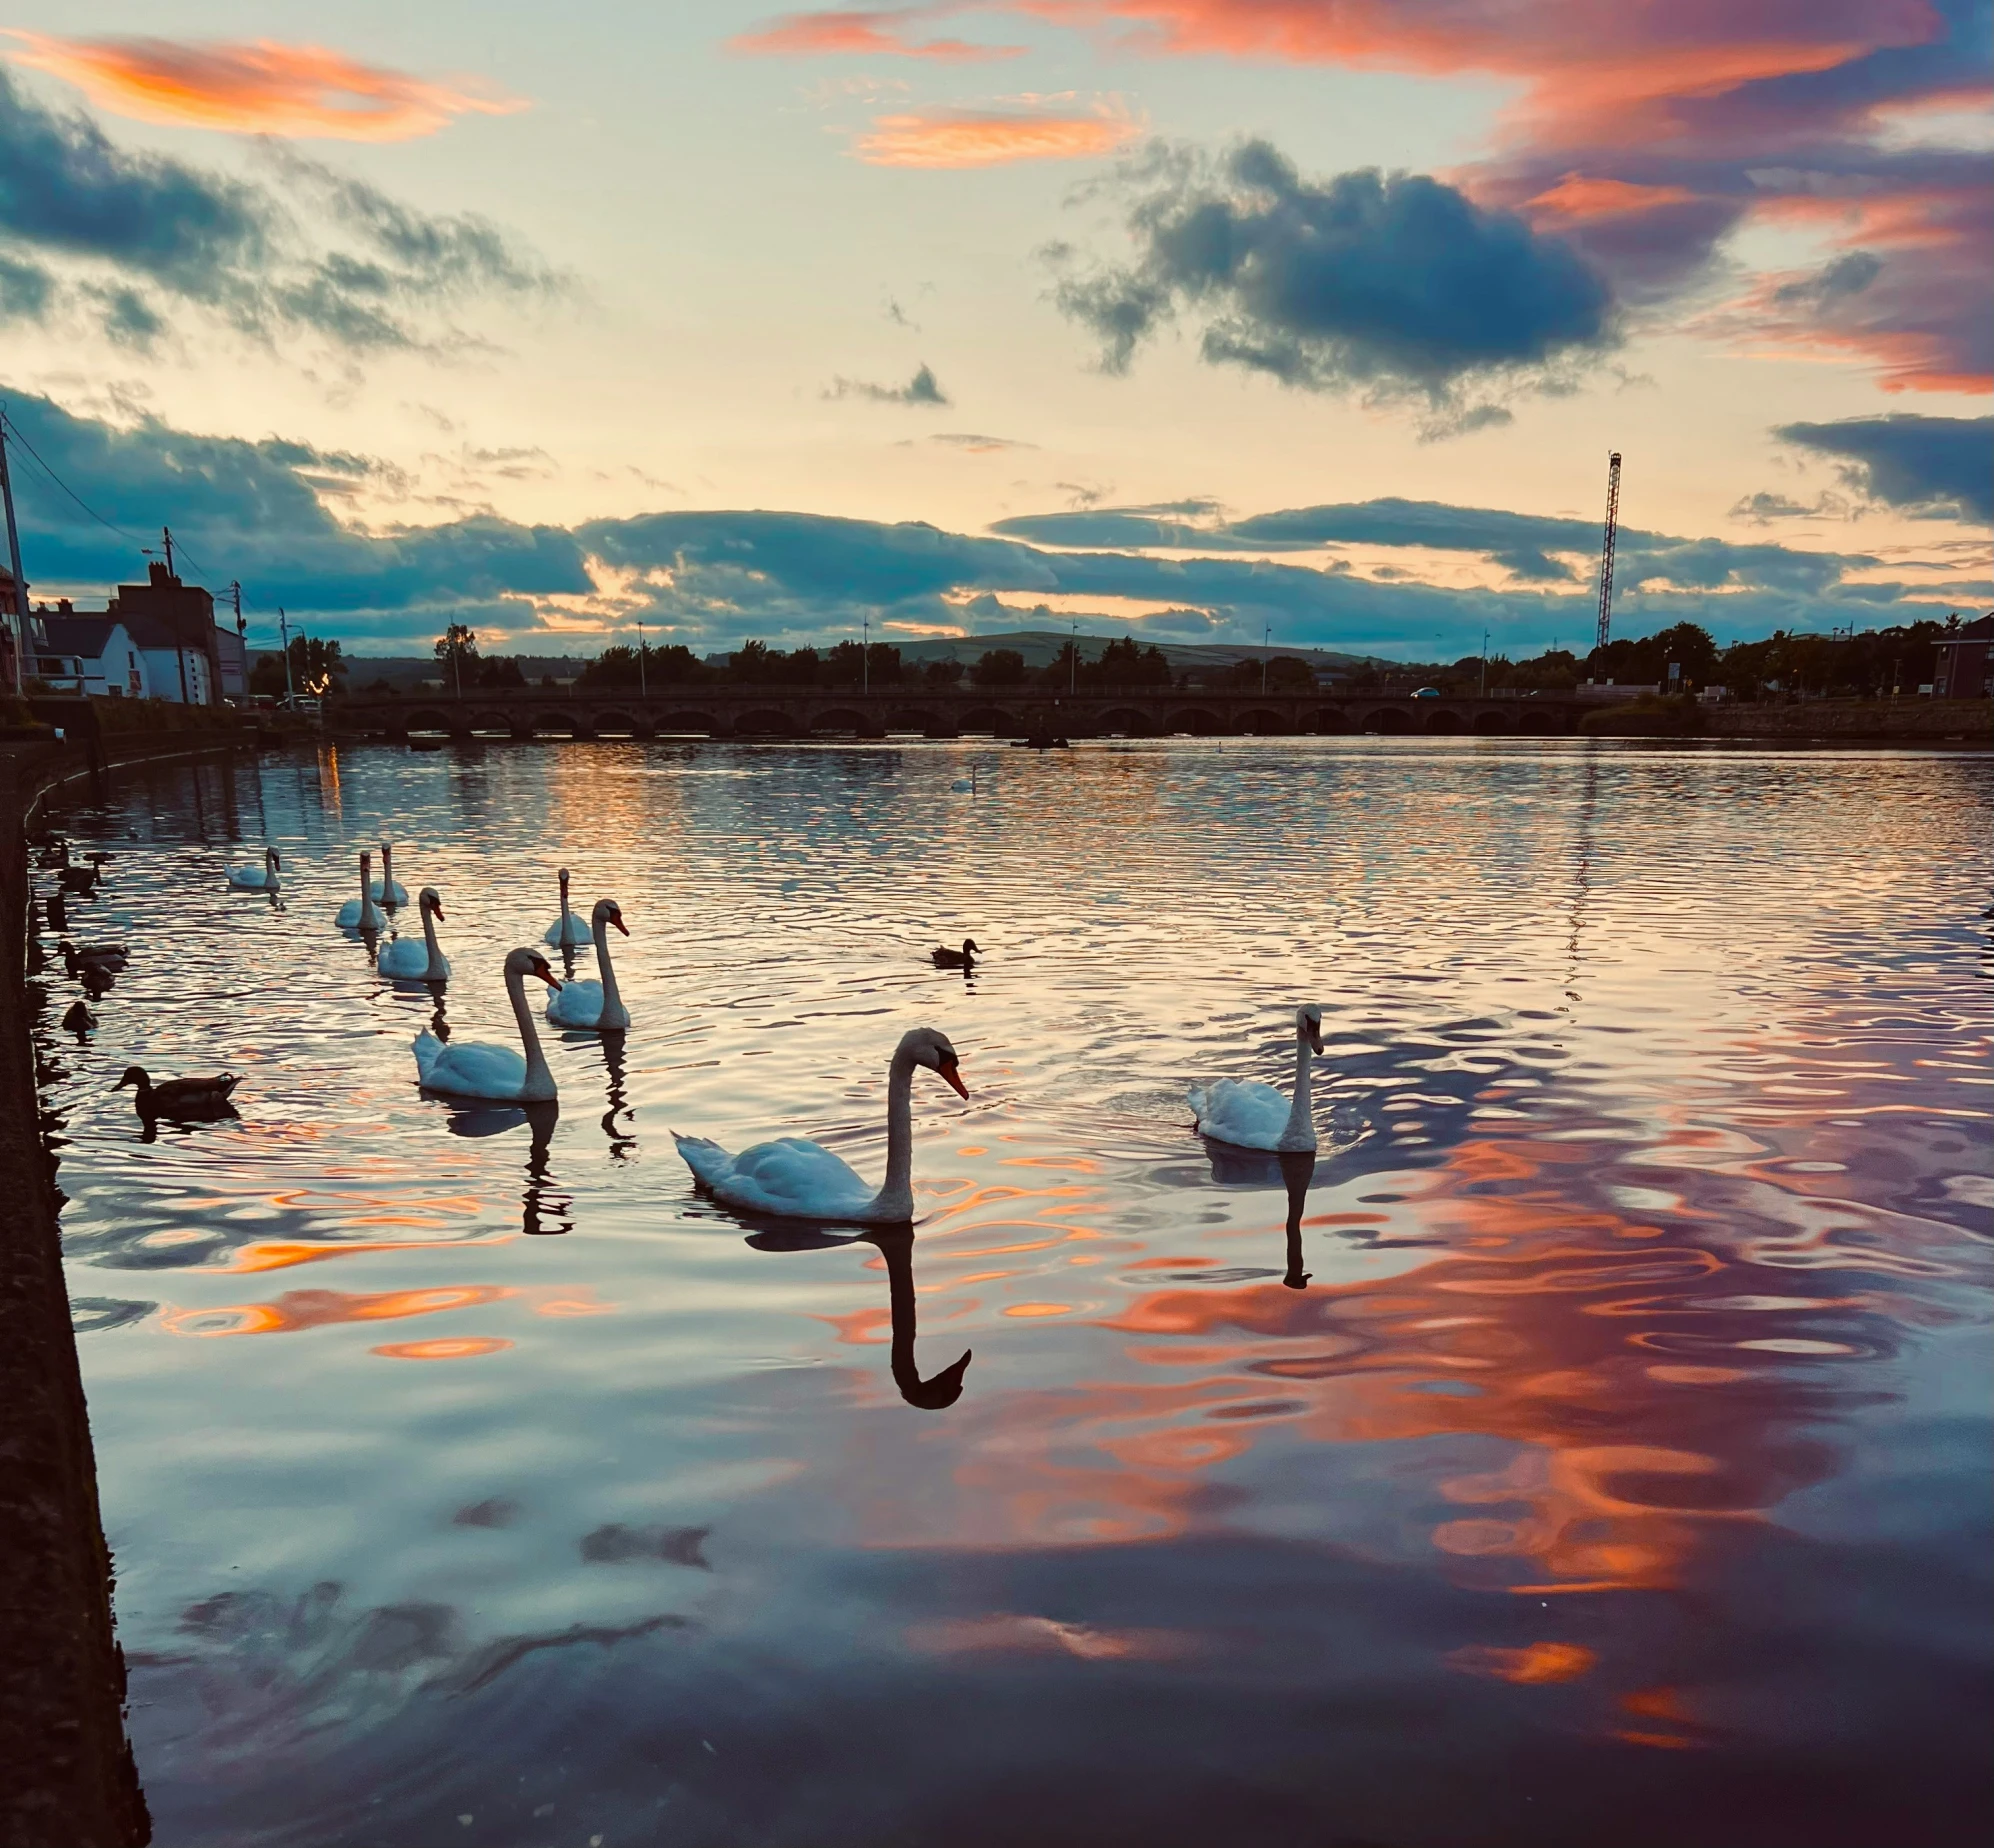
(87, 636)
(1981, 629)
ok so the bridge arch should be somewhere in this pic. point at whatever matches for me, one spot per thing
(1488, 724)
(839, 719)
(1262, 723)
(764, 722)
(1326, 721)
(686, 725)
(1388, 722)
(1540, 721)
(1129, 721)
(1198, 721)
(490, 723)
(992, 719)
(1445, 722)
(555, 724)
(427, 719)
(615, 723)
(914, 719)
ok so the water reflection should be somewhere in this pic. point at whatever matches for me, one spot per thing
(1614, 1356)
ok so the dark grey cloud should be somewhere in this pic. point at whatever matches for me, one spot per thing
(1393, 283)
(313, 251)
(922, 388)
(1534, 548)
(1938, 465)
(259, 511)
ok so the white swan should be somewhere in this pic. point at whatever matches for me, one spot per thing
(251, 877)
(567, 932)
(1251, 1115)
(794, 1179)
(386, 888)
(495, 1073)
(362, 913)
(406, 960)
(595, 1004)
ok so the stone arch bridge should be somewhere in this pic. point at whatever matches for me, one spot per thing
(780, 713)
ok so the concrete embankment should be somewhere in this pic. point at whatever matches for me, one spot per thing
(1853, 721)
(67, 1779)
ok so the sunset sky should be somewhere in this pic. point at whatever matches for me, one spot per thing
(1196, 318)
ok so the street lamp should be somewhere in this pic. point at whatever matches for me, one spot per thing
(865, 654)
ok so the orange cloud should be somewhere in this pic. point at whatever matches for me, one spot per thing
(1578, 195)
(955, 138)
(875, 33)
(262, 88)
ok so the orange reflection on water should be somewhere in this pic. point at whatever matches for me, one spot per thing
(297, 1310)
(281, 1254)
(457, 1347)
(1531, 1666)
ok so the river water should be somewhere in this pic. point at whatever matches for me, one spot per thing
(1593, 1450)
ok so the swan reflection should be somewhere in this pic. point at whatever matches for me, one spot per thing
(1236, 1167)
(621, 1141)
(545, 1208)
(896, 1244)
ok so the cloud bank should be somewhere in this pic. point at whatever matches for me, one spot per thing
(258, 512)
(133, 239)
(1937, 465)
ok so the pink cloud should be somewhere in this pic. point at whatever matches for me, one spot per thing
(876, 33)
(956, 138)
(263, 88)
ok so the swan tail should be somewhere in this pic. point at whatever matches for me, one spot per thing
(708, 1161)
(1200, 1101)
(428, 1049)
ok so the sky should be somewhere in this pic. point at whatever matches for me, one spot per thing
(1201, 320)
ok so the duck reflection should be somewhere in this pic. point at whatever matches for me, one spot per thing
(896, 1244)
(1236, 1167)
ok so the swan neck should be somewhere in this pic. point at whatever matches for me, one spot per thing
(429, 941)
(1301, 1118)
(898, 1193)
(612, 996)
(539, 1080)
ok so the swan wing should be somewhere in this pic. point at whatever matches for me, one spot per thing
(428, 1049)
(471, 1069)
(576, 1004)
(407, 956)
(789, 1178)
(568, 933)
(1245, 1113)
(351, 918)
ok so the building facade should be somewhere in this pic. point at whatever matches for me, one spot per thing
(1965, 662)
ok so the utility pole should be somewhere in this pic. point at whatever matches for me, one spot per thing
(643, 689)
(14, 561)
(865, 654)
(166, 533)
(1606, 564)
(284, 636)
(1485, 664)
(1266, 632)
(1072, 659)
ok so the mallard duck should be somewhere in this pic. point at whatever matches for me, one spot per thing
(78, 1019)
(108, 956)
(187, 1098)
(964, 958)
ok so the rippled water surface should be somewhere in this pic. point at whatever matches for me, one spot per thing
(1593, 1450)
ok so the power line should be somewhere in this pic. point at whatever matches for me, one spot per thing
(14, 430)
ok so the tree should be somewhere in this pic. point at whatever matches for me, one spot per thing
(999, 667)
(943, 675)
(315, 666)
(457, 649)
(614, 667)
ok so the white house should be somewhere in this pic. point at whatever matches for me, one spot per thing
(88, 654)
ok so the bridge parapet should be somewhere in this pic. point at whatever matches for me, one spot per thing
(748, 715)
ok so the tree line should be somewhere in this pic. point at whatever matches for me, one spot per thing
(1869, 664)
